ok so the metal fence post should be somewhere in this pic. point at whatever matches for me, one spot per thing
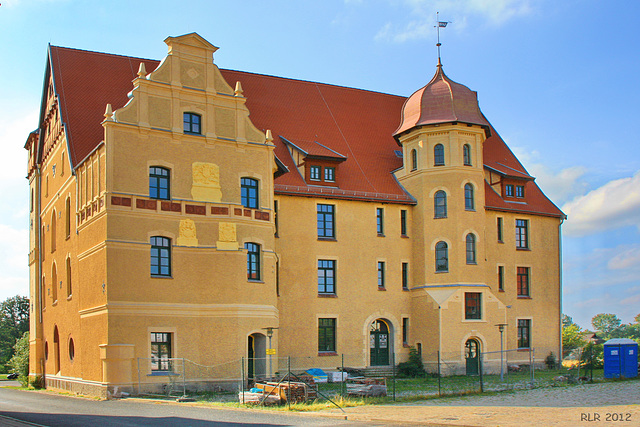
(342, 378)
(532, 361)
(393, 370)
(184, 379)
(439, 390)
(289, 382)
(480, 372)
(138, 376)
(242, 384)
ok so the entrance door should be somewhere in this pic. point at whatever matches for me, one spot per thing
(256, 356)
(472, 356)
(379, 343)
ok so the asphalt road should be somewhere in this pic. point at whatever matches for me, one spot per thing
(45, 409)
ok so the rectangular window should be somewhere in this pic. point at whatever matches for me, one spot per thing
(501, 278)
(380, 274)
(380, 221)
(160, 351)
(523, 281)
(403, 223)
(522, 234)
(329, 174)
(191, 123)
(253, 261)
(326, 276)
(326, 335)
(472, 302)
(508, 190)
(275, 216)
(499, 224)
(314, 173)
(405, 275)
(524, 333)
(519, 190)
(326, 221)
(405, 330)
(159, 179)
(160, 256)
(249, 193)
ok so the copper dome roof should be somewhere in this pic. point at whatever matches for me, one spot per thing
(441, 101)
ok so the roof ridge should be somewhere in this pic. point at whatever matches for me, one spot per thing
(104, 53)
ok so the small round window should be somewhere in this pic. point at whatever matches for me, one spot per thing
(72, 349)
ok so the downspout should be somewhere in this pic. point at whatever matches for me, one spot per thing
(560, 283)
(40, 248)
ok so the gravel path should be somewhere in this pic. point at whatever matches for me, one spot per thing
(606, 404)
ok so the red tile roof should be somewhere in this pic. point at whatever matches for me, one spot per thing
(320, 119)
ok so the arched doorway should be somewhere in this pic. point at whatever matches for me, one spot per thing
(379, 343)
(56, 350)
(472, 356)
(257, 356)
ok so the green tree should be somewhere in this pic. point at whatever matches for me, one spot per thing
(637, 318)
(19, 362)
(568, 320)
(606, 323)
(571, 339)
(14, 322)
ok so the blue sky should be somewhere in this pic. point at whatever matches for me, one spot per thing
(558, 80)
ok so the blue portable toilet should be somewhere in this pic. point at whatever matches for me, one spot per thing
(620, 358)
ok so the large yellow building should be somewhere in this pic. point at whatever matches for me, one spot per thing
(179, 210)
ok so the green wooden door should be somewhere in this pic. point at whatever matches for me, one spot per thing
(472, 356)
(379, 343)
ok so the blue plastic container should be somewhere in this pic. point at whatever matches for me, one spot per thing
(620, 358)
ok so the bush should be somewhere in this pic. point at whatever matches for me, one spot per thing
(412, 367)
(593, 353)
(19, 363)
(550, 361)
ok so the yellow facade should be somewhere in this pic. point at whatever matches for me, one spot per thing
(95, 287)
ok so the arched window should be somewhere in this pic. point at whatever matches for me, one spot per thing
(440, 204)
(160, 256)
(72, 349)
(253, 261)
(442, 257)
(471, 248)
(69, 287)
(466, 154)
(469, 203)
(249, 193)
(54, 283)
(67, 218)
(159, 183)
(53, 231)
(438, 155)
(414, 159)
(191, 123)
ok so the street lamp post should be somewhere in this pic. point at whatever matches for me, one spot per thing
(501, 327)
(269, 351)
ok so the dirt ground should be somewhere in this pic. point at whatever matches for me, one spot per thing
(607, 404)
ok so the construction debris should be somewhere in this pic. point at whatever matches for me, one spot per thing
(367, 387)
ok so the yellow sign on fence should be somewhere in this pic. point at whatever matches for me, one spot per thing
(271, 351)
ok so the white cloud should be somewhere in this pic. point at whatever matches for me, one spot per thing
(627, 259)
(423, 13)
(614, 205)
(560, 186)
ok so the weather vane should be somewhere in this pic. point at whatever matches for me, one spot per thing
(441, 24)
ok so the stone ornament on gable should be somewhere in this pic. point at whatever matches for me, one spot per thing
(187, 235)
(206, 182)
(227, 237)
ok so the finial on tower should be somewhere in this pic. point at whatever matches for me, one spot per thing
(441, 24)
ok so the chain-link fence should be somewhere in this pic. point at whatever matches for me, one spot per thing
(332, 377)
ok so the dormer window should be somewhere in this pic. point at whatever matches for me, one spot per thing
(192, 123)
(508, 190)
(314, 173)
(520, 191)
(329, 174)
